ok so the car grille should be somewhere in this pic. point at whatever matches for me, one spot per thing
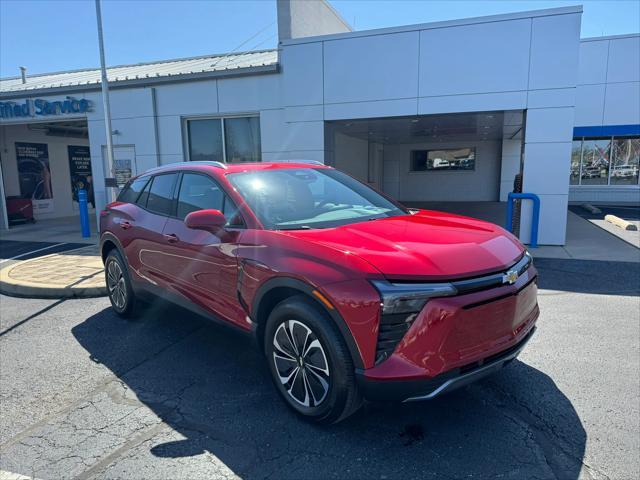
(394, 327)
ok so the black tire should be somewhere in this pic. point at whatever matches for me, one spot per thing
(300, 318)
(121, 295)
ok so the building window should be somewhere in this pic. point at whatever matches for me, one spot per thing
(232, 139)
(595, 162)
(205, 140)
(576, 158)
(242, 139)
(450, 159)
(625, 162)
(605, 161)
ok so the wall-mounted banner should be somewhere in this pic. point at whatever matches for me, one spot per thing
(40, 107)
(80, 170)
(122, 171)
(35, 175)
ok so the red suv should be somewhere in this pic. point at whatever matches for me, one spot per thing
(349, 294)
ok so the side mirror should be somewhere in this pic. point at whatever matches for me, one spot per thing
(210, 220)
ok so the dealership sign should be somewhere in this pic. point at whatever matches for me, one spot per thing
(43, 108)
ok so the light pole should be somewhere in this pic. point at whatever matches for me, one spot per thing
(109, 180)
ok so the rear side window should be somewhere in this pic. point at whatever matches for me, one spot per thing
(160, 198)
(131, 191)
(198, 192)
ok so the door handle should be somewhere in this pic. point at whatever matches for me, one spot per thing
(171, 237)
(125, 225)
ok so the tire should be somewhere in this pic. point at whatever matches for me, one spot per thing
(121, 295)
(316, 380)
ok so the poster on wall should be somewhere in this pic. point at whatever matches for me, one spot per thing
(35, 175)
(80, 172)
(122, 171)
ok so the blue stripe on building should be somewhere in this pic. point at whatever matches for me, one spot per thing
(607, 131)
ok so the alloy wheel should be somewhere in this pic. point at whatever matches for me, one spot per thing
(301, 363)
(116, 285)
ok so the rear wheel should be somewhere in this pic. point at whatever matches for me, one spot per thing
(310, 362)
(119, 289)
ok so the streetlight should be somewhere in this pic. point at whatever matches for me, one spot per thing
(109, 181)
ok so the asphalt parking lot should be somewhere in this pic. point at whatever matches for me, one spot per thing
(84, 394)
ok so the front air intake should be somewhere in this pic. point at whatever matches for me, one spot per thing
(393, 328)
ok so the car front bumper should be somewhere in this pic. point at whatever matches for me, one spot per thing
(427, 389)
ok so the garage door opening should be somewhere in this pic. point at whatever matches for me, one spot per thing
(432, 160)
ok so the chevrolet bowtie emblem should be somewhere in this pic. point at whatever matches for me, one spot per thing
(510, 277)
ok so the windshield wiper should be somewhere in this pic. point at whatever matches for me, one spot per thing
(297, 227)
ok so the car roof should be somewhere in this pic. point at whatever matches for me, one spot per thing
(225, 168)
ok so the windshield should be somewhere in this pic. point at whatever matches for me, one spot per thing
(301, 198)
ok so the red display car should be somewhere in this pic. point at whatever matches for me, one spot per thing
(349, 294)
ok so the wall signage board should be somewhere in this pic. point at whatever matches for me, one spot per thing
(42, 108)
(34, 175)
(122, 171)
(80, 172)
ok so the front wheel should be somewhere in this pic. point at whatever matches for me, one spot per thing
(310, 362)
(119, 289)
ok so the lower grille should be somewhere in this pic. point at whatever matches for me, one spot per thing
(392, 329)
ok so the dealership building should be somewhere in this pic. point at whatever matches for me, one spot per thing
(440, 112)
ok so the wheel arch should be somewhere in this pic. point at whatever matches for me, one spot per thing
(278, 289)
(109, 242)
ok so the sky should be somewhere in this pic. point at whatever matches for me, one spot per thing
(55, 35)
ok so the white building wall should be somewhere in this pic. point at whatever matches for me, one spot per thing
(608, 94)
(505, 62)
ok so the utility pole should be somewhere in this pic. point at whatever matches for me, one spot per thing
(109, 178)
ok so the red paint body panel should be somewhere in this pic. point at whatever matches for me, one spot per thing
(224, 274)
(452, 332)
(425, 246)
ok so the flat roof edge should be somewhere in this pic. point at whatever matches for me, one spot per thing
(442, 24)
(143, 82)
(610, 37)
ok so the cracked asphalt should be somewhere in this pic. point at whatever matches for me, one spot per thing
(84, 394)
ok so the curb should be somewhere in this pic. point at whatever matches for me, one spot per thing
(26, 289)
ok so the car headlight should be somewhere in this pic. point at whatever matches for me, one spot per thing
(401, 303)
(409, 297)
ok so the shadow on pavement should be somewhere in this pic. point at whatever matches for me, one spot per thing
(589, 276)
(209, 384)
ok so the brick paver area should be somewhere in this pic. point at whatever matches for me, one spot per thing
(78, 271)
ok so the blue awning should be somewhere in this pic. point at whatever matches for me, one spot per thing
(607, 131)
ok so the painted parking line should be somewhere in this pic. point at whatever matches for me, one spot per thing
(12, 250)
(32, 252)
(4, 475)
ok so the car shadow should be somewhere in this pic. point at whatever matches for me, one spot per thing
(212, 386)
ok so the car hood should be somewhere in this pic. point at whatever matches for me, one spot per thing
(426, 245)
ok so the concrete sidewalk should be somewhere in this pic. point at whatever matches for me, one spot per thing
(71, 274)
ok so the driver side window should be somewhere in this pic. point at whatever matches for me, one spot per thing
(199, 192)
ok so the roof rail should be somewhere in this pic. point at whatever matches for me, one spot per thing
(207, 162)
(297, 160)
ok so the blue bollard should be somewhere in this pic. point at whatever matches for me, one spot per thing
(535, 217)
(84, 214)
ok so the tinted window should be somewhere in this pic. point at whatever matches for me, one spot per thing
(160, 195)
(205, 140)
(142, 199)
(242, 139)
(130, 192)
(198, 192)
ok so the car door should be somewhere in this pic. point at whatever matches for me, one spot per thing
(203, 266)
(146, 254)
